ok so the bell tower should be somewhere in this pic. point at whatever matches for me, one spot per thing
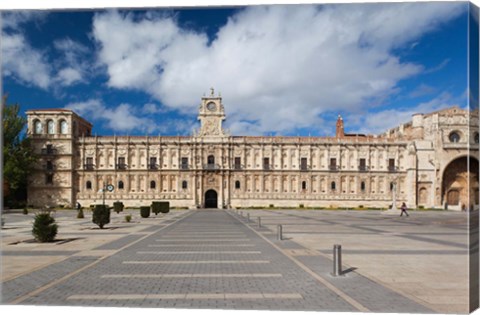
(211, 115)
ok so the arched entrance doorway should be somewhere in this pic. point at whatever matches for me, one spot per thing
(211, 199)
(460, 184)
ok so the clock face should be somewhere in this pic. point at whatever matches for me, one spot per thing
(211, 106)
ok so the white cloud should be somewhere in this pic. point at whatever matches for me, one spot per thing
(422, 90)
(376, 123)
(121, 118)
(22, 62)
(73, 65)
(128, 118)
(278, 67)
(33, 66)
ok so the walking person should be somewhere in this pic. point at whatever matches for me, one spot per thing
(404, 209)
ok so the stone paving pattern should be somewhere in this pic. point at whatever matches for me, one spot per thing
(215, 259)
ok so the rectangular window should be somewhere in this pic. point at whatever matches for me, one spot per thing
(238, 163)
(153, 163)
(89, 163)
(184, 164)
(303, 164)
(333, 164)
(266, 163)
(121, 163)
(391, 165)
(49, 179)
(362, 166)
(49, 166)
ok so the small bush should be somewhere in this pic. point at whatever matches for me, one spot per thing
(80, 214)
(160, 206)
(271, 206)
(301, 205)
(144, 212)
(421, 207)
(25, 211)
(118, 206)
(101, 215)
(44, 227)
(128, 218)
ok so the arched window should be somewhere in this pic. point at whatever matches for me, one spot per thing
(120, 185)
(454, 137)
(63, 127)
(153, 185)
(304, 185)
(37, 127)
(50, 127)
(333, 185)
(237, 184)
(89, 185)
(475, 137)
(184, 184)
(211, 160)
(362, 186)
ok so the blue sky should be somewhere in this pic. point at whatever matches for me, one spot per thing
(281, 70)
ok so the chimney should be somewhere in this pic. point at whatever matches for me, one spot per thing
(340, 132)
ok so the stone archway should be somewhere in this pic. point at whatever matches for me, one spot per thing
(456, 193)
(211, 199)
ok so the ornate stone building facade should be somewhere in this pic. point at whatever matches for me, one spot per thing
(425, 163)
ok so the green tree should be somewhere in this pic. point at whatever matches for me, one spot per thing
(18, 156)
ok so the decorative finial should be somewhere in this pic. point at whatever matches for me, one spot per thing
(212, 91)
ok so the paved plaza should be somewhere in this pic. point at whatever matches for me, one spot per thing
(218, 259)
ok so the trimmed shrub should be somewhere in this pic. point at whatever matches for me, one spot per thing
(101, 215)
(118, 206)
(44, 227)
(128, 218)
(271, 206)
(160, 206)
(144, 212)
(301, 205)
(25, 211)
(80, 214)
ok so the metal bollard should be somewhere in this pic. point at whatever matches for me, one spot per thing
(248, 217)
(279, 232)
(259, 222)
(337, 260)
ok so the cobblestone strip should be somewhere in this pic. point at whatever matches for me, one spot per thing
(369, 292)
(52, 279)
(19, 286)
(326, 283)
(121, 242)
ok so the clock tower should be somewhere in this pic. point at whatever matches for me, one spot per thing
(211, 115)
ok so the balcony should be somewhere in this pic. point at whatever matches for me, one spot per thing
(363, 168)
(392, 169)
(49, 167)
(305, 168)
(185, 167)
(333, 167)
(237, 167)
(211, 167)
(152, 167)
(49, 151)
(121, 166)
(88, 167)
(267, 167)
